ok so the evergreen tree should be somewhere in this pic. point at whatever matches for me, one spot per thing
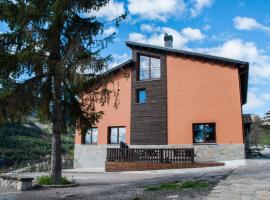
(49, 57)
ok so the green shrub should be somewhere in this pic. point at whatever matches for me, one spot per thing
(47, 180)
(178, 186)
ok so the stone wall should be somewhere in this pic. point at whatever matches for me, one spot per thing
(90, 156)
(16, 183)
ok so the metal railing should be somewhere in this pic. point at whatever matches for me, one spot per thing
(172, 155)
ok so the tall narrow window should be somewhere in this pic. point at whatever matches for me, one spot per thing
(204, 133)
(117, 135)
(149, 68)
(141, 96)
(91, 136)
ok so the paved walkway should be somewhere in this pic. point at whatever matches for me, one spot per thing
(250, 182)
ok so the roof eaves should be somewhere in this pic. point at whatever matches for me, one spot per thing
(120, 66)
(187, 53)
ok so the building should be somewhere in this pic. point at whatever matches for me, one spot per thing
(267, 116)
(172, 99)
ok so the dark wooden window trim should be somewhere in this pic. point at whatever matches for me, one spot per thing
(149, 67)
(91, 143)
(109, 134)
(205, 143)
(137, 95)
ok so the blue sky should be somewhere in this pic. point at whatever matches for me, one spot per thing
(238, 29)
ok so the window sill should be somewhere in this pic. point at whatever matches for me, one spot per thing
(140, 103)
(212, 143)
(148, 80)
(90, 144)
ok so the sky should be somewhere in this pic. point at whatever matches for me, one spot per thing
(238, 29)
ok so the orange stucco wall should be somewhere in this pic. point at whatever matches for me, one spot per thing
(201, 92)
(112, 116)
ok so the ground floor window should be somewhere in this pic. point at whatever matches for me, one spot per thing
(91, 136)
(117, 135)
(204, 133)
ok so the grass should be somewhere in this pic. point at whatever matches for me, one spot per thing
(265, 137)
(177, 185)
(46, 180)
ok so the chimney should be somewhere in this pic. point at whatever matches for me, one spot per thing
(168, 40)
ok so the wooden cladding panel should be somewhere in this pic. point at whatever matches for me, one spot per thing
(149, 120)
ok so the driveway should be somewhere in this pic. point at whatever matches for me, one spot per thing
(248, 182)
(245, 183)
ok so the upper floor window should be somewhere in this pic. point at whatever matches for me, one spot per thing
(91, 136)
(141, 96)
(204, 133)
(149, 68)
(117, 135)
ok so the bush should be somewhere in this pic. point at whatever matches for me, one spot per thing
(179, 186)
(47, 180)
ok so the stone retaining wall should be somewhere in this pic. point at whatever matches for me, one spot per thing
(89, 156)
(16, 183)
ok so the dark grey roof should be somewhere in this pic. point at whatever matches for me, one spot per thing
(187, 53)
(242, 66)
(120, 66)
(250, 118)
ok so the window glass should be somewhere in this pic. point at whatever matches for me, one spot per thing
(122, 134)
(91, 136)
(141, 96)
(117, 135)
(87, 138)
(155, 68)
(204, 133)
(94, 135)
(144, 68)
(114, 135)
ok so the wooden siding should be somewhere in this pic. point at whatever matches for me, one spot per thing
(149, 120)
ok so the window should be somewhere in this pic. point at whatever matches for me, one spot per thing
(204, 133)
(117, 135)
(141, 96)
(149, 68)
(91, 136)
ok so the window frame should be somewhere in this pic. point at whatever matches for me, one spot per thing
(137, 95)
(118, 138)
(91, 136)
(205, 123)
(149, 67)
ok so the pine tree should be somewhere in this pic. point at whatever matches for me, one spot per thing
(50, 56)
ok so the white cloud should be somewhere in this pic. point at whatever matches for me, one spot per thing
(246, 51)
(110, 31)
(112, 10)
(119, 58)
(256, 100)
(192, 34)
(206, 27)
(245, 23)
(156, 9)
(149, 28)
(199, 5)
(180, 38)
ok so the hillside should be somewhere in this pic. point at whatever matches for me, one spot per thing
(260, 134)
(23, 143)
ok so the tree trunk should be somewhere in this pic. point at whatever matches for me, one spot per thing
(56, 168)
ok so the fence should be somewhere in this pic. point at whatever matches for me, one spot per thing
(179, 155)
(35, 166)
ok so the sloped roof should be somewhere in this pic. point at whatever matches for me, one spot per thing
(241, 65)
(250, 118)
